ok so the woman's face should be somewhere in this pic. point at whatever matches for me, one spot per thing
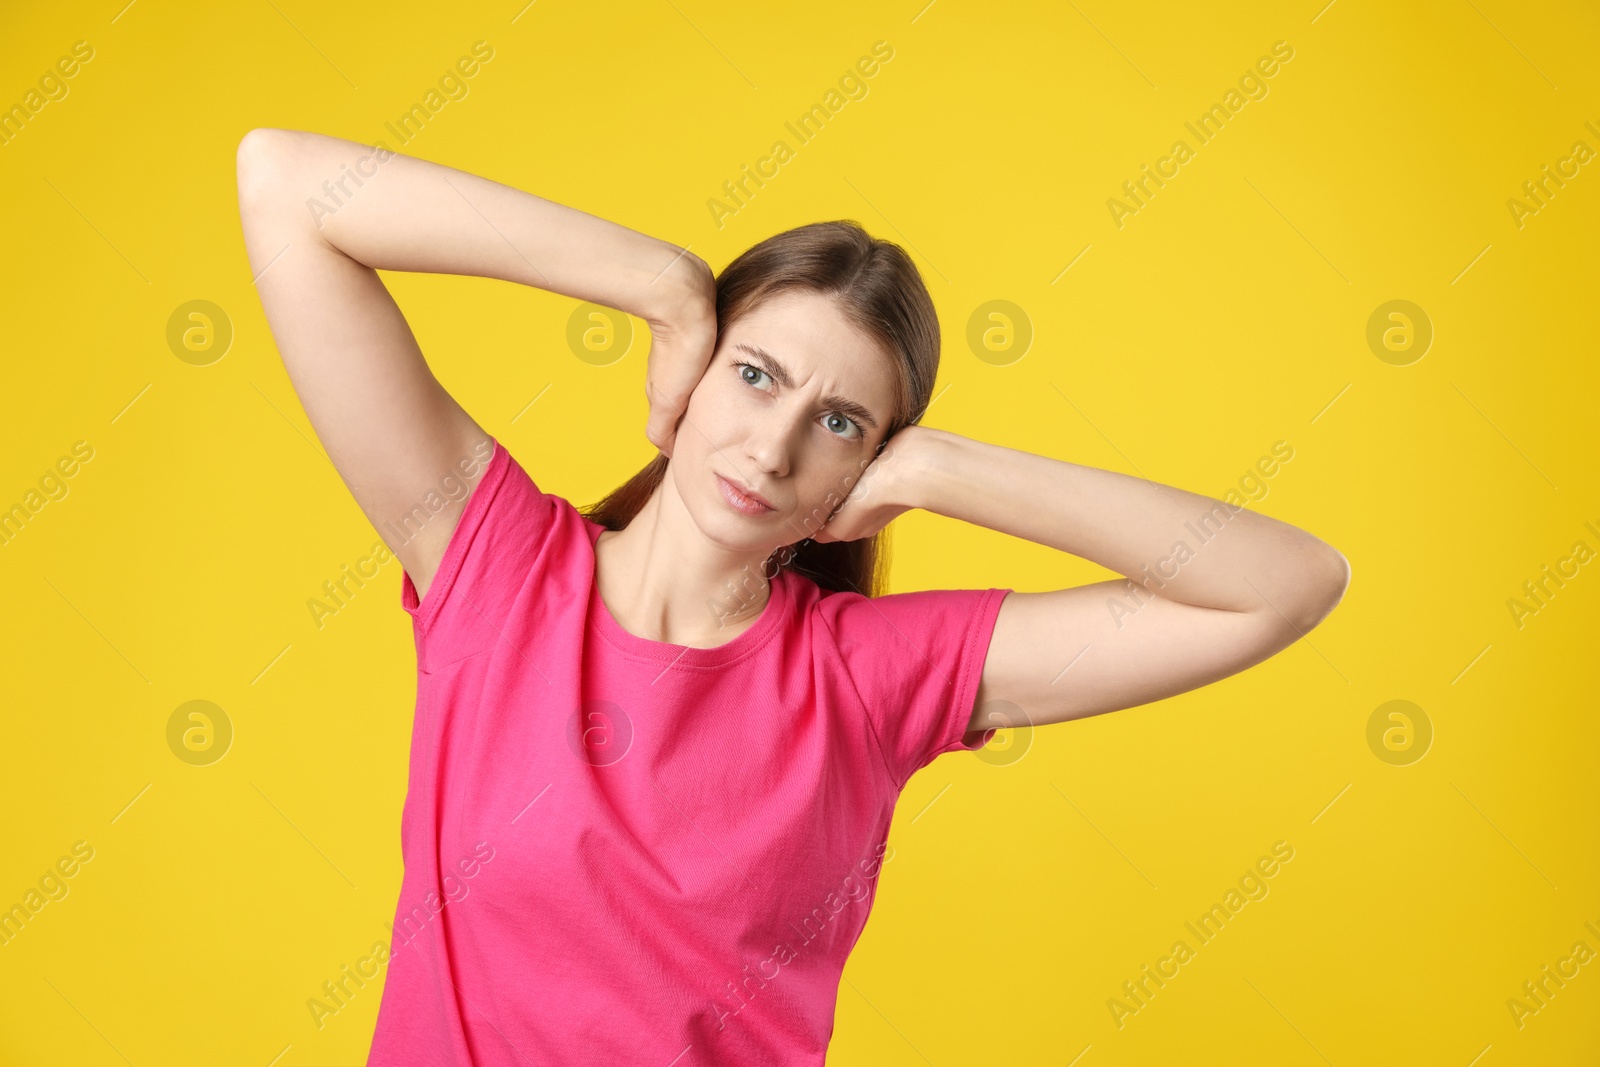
(791, 408)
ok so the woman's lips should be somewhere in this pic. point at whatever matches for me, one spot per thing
(740, 500)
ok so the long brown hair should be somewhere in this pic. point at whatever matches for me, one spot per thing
(878, 289)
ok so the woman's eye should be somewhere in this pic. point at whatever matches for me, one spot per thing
(837, 423)
(835, 417)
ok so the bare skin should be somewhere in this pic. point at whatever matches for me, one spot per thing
(786, 444)
(392, 431)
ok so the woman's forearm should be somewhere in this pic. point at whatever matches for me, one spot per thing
(399, 213)
(1177, 544)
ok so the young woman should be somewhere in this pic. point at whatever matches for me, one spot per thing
(658, 745)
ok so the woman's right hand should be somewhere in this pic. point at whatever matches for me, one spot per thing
(683, 339)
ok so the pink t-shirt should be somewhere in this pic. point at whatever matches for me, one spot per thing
(624, 851)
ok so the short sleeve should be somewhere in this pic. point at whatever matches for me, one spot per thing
(915, 660)
(491, 551)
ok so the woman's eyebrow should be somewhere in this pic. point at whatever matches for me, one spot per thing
(780, 374)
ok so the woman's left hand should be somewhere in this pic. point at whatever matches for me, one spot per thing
(879, 495)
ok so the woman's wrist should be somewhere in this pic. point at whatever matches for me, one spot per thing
(912, 465)
(680, 292)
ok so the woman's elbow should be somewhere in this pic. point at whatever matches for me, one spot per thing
(259, 162)
(1327, 579)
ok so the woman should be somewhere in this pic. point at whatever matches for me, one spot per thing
(657, 746)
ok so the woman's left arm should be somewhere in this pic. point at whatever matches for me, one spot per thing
(1210, 588)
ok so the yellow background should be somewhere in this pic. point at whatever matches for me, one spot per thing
(1229, 313)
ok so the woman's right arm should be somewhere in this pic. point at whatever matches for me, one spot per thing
(389, 427)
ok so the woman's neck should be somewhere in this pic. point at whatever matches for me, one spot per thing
(662, 580)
